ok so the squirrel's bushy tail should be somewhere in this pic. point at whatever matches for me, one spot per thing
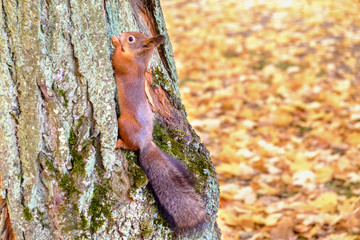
(173, 187)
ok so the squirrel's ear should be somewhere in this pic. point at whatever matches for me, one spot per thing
(153, 42)
(115, 41)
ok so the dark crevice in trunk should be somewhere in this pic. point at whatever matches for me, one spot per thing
(11, 65)
(44, 21)
(75, 58)
(71, 43)
(97, 146)
(16, 112)
(150, 5)
(107, 19)
(6, 232)
(93, 132)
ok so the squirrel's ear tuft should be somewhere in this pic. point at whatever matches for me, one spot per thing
(153, 42)
(159, 39)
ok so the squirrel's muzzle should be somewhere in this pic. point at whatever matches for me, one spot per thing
(116, 42)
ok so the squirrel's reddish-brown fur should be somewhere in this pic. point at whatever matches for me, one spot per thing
(170, 180)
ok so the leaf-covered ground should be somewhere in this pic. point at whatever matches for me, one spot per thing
(273, 88)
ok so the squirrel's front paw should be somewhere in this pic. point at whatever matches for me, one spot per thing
(120, 144)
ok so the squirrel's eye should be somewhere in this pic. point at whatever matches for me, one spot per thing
(131, 39)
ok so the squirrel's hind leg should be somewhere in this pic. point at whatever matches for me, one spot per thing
(120, 144)
(129, 130)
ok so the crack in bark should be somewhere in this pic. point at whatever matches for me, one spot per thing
(150, 12)
(44, 21)
(76, 60)
(107, 19)
(72, 46)
(93, 133)
(6, 231)
(11, 66)
(16, 113)
(11, 53)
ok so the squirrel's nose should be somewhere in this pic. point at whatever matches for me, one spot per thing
(116, 42)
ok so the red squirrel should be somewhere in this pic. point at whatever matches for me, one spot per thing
(170, 180)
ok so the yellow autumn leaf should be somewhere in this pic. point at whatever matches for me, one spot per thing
(252, 43)
(272, 219)
(301, 163)
(282, 119)
(348, 205)
(326, 202)
(229, 170)
(353, 138)
(324, 174)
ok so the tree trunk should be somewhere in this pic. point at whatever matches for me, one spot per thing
(60, 175)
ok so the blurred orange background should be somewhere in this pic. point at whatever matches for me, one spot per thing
(273, 89)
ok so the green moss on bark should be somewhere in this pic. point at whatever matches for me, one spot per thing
(51, 166)
(147, 229)
(161, 79)
(84, 226)
(173, 143)
(27, 214)
(67, 185)
(62, 93)
(136, 174)
(78, 156)
(100, 205)
(77, 161)
(83, 222)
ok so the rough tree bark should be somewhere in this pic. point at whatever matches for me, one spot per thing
(60, 176)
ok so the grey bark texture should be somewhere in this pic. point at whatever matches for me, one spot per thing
(60, 176)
